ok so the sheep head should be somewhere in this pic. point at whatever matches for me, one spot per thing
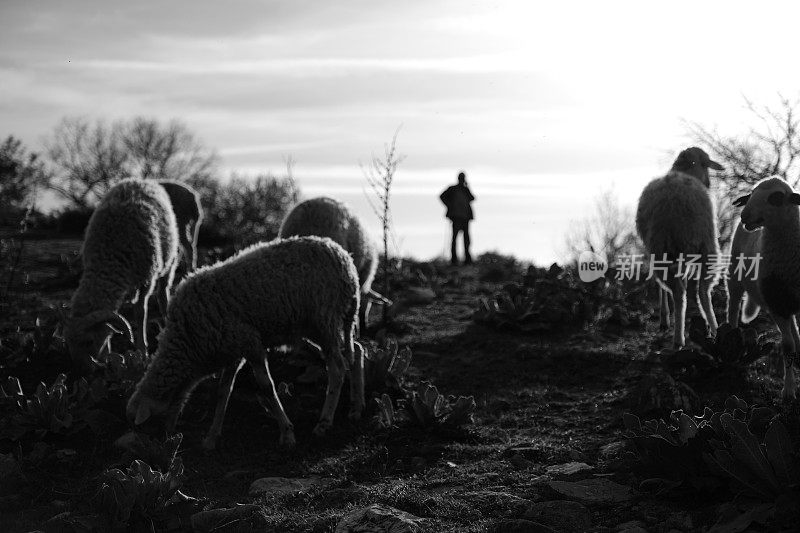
(86, 335)
(770, 204)
(696, 162)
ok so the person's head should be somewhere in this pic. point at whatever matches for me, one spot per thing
(462, 178)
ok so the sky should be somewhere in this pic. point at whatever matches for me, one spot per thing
(543, 104)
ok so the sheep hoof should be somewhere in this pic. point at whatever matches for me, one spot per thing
(321, 428)
(210, 443)
(787, 396)
(287, 440)
(355, 413)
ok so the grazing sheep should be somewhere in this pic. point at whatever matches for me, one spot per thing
(188, 214)
(326, 217)
(772, 208)
(130, 247)
(268, 295)
(676, 216)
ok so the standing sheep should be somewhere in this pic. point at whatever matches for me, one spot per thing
(676, 218)
(270, 294)
(326, 217)
(188, 214)
(772, 208)
(130, 247)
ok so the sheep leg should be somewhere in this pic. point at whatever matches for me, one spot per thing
(663, 308)
(141, 336)
(268, 397)
(790, 340)
(164, 286)
(226, 380)
(678, 288)
(708, 308)
(733, 309)
(363, 312)
(336, 367)
(194, 231)
(356, 355)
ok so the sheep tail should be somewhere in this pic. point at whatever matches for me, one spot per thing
(750, 310)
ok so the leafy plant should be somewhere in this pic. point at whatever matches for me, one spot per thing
(387, 417)
(122, 372)
(550, 304)
(53, 409)
(153, 451)
(385, 366)
(139, 498)
(746, 445)
(431, 409)
(737, 347)
(40, 342)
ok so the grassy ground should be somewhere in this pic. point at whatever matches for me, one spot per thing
(542, 401)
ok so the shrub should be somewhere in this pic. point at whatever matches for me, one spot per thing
(495, 267)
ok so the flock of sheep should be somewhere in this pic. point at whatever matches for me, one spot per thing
(676, 217)
(314, 282)
(311, 283)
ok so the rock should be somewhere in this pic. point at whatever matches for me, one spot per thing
(595, 490)
(613, 450)
(658, 391)
(242, 518)
(11, 474)
(496, 500)
(568, 470)
(681, 521)
(532, 453)
(519, 462)
(379, 518)
(561, 515)
(520, 526)
(630, 525)
(278, 486)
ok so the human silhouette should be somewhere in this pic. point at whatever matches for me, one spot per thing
(457, 199)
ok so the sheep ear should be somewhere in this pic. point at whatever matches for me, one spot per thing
(142, 414)
(794, 198)
(739, 202)
(777, 198)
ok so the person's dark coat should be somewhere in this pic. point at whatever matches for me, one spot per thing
(457, 199)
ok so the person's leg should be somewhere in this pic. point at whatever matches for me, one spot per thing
(453, 256)
(467, 256)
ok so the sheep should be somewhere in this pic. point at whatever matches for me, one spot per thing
(771, 218)
(188, 214)
(270, 294)
(675, 217)
(326, 217)
(129, 252)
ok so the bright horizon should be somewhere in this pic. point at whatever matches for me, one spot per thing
(543, 106)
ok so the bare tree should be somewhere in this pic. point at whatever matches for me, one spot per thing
(608, 231)
(90, 157)
(380, 175)
(164, 151)
(771, 147)
(87, 159)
